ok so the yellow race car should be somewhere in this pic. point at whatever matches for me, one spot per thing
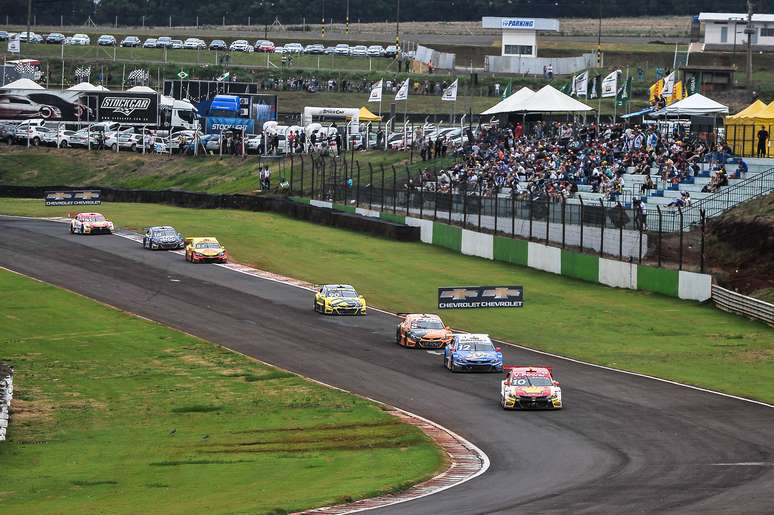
(339, 299)
(200, 250)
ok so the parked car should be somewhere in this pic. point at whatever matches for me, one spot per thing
(80, 39)
(194, 44)
(264, 45)
(316, 49)
(391, 51)
(241, 45)
(59, 138)
(150, 43)
(177, 44)
(106, 40)
(34, 134)
(81, 138)
(130, 42)
(342, 49)
(164, 42)
(123, 140)
(55, 38)
(358, 51)
(253, 143)
(33, 38)
(375, 51)
(329, 50)
(3, 35)
(279, 50)
(218, 44)
(294, 48)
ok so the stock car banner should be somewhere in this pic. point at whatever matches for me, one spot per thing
(129, 108)
(480, 297)
(74, 198)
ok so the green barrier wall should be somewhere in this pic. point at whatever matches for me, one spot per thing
(344, 207)
(392, 217)
(300, 200)
(447, 236)
(580, 266)
(510, 250)
(658, 280)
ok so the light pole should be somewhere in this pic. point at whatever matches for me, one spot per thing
(749, 31)
(346, 26)
(397, 25)
(29, 18)
(599, 36)
(322, 23)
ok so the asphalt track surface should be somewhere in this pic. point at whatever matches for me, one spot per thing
(622, 444)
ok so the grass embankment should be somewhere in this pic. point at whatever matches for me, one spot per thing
(80, 167)
(113, 414)
(637, 331)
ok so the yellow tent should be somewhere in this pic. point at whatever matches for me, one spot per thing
(742, 129)
(368, 116)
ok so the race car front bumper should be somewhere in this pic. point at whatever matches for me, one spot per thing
(525, 402)
(345, 310)
(484, 366)
(426, 343)
(208, 259)
(97, 230)
(166, 245)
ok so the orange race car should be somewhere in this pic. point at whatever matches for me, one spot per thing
(425, 331)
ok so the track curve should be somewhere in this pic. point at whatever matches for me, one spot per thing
(623, 442)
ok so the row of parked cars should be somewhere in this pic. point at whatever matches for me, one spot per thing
(239, 45)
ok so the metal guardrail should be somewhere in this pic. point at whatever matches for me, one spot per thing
(739, 304)
(6, 394)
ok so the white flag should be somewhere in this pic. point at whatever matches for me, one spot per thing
(610, 84)
(376, 92)
(450, 93)
(403, 91)
(582, 84)
(669, 86)
(572, 85)
(14, 45)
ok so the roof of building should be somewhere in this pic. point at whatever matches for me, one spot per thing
(735, 16)
(499, 22)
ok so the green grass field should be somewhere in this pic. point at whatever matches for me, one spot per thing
(114, 414)
(631, 330)
(78, 167)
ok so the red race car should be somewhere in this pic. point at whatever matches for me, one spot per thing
(425, 331)
(527, 387)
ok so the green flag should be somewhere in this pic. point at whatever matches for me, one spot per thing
(625, 93)
(566, 88)
(691, 86)
(507, 90)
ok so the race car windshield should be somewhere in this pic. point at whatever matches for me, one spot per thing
(207, 246)
(477, 346)
(166, 232)
(531, 381)
(427, 324)
(98, 218)
(349, 294)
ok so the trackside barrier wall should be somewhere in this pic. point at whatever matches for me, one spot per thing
(511, 250)
(694, 286)
(425, 228)
(581, 266)
(658, 280)
(739, 304)
(447, 236)
(618, 274)
(544, 258)
(477, 244)
(6, 395)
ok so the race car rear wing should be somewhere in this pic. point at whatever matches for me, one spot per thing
(507, 368)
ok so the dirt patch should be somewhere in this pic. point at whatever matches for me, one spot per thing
(755, 356)
(36, 413)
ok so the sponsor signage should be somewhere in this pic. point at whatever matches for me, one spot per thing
(480, 297)
(130, 108)
(517, 23)
(73, 198)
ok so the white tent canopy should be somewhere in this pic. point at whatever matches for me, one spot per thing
(22, 84)
(511, 104)
(695, 105)
(140, 89)
(83, 86)
(550, 100)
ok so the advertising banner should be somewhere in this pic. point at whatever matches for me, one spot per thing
(480, 297)
(56, 106)
(128, 108)
(73, 198)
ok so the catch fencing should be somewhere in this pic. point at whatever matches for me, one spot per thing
(612, 229)
(439, 60)
(6, 395)
(739, 304)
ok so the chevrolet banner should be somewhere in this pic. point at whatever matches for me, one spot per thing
(481, 297)
(73, 198)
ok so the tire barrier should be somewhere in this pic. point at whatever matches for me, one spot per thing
(281, 205)
(6, 394)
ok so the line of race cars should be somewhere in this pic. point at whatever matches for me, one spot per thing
(524, 387)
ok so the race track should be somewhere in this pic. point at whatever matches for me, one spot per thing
(623, 444)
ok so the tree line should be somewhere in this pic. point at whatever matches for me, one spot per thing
(295, 12)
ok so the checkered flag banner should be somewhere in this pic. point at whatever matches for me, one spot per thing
(27, 71)
(82, 73)
(138, 76)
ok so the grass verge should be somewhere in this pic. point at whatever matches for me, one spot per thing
(638, 331)
(117, 414)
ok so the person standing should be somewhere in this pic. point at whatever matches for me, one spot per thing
(338, 143)
(763, 137)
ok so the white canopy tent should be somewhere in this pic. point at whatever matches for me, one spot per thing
(695, 105)
(83, 86)
(22, 84)
(140, 89)
(511, 104)
(550, 100)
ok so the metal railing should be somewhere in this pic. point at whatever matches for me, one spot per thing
(739, 304)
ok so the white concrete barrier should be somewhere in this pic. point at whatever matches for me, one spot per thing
(321, 203)
(693, 286)
(544, 257)
(618, 274)
(425, 228)
(477, 244)
(372, 213)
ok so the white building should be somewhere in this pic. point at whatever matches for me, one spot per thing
(520, 34)
(724, 31)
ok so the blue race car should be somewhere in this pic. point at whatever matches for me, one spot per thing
(472, 352)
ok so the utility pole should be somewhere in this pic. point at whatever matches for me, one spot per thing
(749, 31)
(346, 25)
(322, 23)
(397, 25)
(29, 19)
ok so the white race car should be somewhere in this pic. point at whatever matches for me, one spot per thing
(90, 223)
(530, 388)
